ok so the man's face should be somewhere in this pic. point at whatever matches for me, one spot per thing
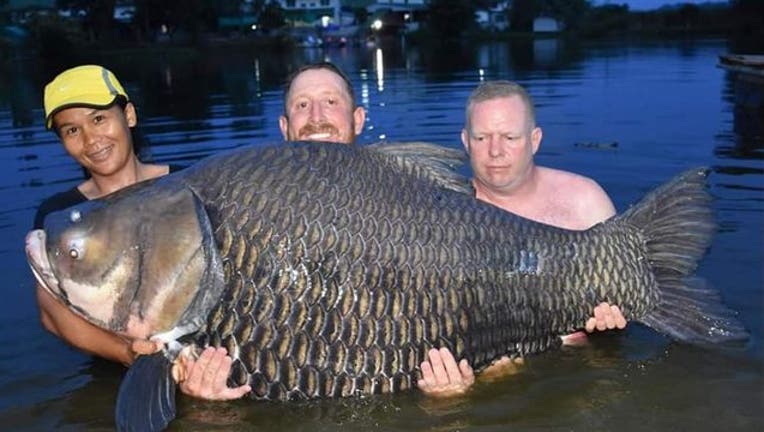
(500, 143)
(98, 139)
(319, 108)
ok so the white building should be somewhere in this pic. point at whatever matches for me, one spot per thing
(312, 12)
(397, 5)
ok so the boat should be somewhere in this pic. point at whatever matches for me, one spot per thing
(746, 64)
(747, 81)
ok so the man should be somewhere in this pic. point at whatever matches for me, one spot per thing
(319, 105)
(501, 138)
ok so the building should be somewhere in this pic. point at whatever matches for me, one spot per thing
(495, 17)
(394, 16)
(397, 5)
(544, 24)
(20, 11)
(312, 12)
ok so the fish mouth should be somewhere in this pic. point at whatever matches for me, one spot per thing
(40, 264)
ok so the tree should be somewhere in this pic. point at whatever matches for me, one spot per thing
(192, 16)
(569, 12)
(271, 17)
(748, 16)
(99, 18)
(522, 14)
(450, 18)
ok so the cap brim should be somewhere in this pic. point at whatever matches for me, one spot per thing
(82, 101)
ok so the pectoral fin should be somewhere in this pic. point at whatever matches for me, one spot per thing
(146, 399)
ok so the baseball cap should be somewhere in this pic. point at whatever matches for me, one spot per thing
(82, 86)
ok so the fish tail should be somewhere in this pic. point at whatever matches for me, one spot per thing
(677, 224)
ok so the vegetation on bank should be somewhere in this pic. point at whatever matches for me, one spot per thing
(197, 22)
(743, 19)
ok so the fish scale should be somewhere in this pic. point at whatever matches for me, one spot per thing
(417, 258)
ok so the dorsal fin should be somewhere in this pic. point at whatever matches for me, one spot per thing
(431, 161)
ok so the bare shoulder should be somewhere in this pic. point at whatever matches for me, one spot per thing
(582, 192)
(569, 182)
(154, 170)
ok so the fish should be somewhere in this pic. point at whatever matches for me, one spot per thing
(329, 270)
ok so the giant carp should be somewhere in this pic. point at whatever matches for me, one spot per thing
(330, 270)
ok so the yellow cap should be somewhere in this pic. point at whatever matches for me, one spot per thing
(83, 86)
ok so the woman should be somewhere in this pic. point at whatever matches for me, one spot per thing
(92, 115)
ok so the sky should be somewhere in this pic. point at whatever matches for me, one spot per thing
(648, 4)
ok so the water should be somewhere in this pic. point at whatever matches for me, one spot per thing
(628, 115)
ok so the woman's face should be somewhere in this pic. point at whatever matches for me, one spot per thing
(98, 139)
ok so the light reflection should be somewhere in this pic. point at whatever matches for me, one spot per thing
(365, 89)
(168, 77)
(257, 77)
(380, 70)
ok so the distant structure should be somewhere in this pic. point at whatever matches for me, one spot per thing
(312, 12)
(546, 25)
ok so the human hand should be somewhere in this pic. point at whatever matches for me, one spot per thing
(442, 377)
(205, 377)
(606, 317)
(144, 347)
(502, 367)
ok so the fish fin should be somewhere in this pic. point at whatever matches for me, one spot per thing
(434, 162)
(692, 311)
(212, 282)
(146, 399)
(677, 225)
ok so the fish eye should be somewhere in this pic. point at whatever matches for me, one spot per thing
(76, 250)
(74, 253)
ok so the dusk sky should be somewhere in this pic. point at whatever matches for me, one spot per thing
(647, 4)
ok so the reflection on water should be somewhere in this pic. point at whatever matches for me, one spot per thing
(380, 67)
(665, 104)
(745, 96)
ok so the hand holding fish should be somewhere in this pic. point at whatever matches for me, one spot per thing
(203, 378)
(442, 377)
(606, 317)
(144, 347)
(206, 377)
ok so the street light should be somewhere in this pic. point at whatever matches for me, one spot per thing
(376, 25)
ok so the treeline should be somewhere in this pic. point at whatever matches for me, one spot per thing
(185, 20)
(583, 18)
(193, 21)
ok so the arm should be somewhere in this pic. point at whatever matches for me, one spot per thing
(442, 377)
(76, 331)
(204, 378)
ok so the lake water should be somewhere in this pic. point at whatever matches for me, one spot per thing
(628, 115)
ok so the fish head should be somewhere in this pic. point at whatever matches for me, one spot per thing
(140, 262)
